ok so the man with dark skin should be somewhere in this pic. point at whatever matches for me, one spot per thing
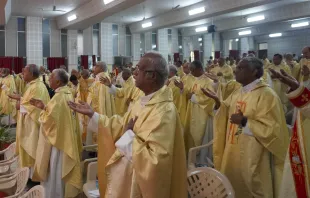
(247, 123)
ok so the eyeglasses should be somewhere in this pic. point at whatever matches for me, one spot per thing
(145, 71)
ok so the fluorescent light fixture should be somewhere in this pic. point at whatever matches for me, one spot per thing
(140, 49)
(237, 40)
(201, 29)
(295, 25)
(153, 46)
(72, 17)
(180, 46)
(256, 18)
(245, 32)
(107, 1)
(200, 44)
(199, 39)
(275, 35)
(197, 11)
(146, 25)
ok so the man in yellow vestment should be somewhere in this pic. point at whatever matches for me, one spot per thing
(175, 90)
(296, 178)
(7, 105)
(100, 98)
(125, 95)
(28, 126)
(199, 109)
(144, 150)
(294, 66)
(223, 71)
(57, 163)
(250, 134)
(20, 83)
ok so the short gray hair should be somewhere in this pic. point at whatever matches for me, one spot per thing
(62, 76)
(102, 65)
(160, 65)
(255, 63)
(34, 70)
(173, 68)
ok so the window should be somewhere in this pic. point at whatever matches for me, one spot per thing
(142, 44)
(96, 46)
(46, 35)
(21, 37)
(115, 39)
(154, 40)
(128, 42)
(263, 46)
(2, 41)
(64, 40)
(170, 40)
(180, 41)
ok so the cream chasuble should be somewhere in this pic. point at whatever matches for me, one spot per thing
(60, 130)
(188, 81)
(199, 110)
(101, 101)
(176, 92)
(154, 165)
(180, 72)
(20, 84)
(28, 125)
(252, 157)
(227, 72)
(8, 87)
(303, 62)
(296, 175)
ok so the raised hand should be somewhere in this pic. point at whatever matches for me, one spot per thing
(106, 81)
(82, 108)
(37, 103)
(179, 84)
(285, 78)
(14, 96)
(305, 70)
(131, 123)
(237, 118)
(212, 95)
(212, 77)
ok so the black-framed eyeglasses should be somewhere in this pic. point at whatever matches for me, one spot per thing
(145, 71)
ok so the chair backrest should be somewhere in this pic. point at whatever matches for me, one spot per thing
(208, 183)
(10, 151)
(21, 180)
(35, 192)
(92, 171)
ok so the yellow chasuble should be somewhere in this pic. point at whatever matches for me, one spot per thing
(227, 72)
(266, 62)
(296, 70)
(8, 87)
(28, 125)
(251, 157)
(180, 72)
(303, 62)
(277, 86)
(20, 84)
(176, 92)
(188, 82)
(127, 92)
(226, 89)
(60, 129)
(158, 167)
(199, 110)
(46, 79)
(100, 99)
(296, 175)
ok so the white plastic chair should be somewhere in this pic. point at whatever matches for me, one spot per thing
(17, 181)
(8, 153)
(90, 184)
(208, 183)
(9, 167)
(35, 192)
(192, 155)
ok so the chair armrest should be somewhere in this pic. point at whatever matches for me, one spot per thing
(193, 152)
(90, 146)
(8, 161)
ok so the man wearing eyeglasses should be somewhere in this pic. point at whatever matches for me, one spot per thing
(144, 154)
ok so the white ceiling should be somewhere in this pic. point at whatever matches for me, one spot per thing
(34, 7)
(148, 9)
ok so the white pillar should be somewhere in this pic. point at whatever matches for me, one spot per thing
(135, 47)
(106, 43)
(163, 42)
(72, 49)
(88, 41)
(34, 40)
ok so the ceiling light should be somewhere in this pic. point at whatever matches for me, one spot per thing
(146, 25)
(295, 25)
(245, 32)
(256, 18)
(237, 40)
(72, 17)
(199, 39)
(275, 35)
(153, 46)
(107, 1)
(197, 11)
(180, 46)
(201, 29)
(200, 44)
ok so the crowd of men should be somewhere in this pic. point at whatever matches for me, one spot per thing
(145, 120)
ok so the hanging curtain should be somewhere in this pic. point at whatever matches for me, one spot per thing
(217, 54)
(94, 59)
(196, 55)
(6, 62)
(18, 64)
(234, 53)
(84, 61)
(55, 62)
(176, 57)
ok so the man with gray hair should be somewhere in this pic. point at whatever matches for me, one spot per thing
(144, 152)
(57, 164)
(27, 131)
(250, 134)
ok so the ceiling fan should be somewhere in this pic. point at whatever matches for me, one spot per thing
(54, 9)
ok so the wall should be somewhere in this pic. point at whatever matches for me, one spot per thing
(34, 40)
(11, 37)
(55, 40)
(72, 49)
(88, 41)
(163, 43)
(106, 43)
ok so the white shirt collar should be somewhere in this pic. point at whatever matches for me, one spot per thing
(145, 99)
(250, 86)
